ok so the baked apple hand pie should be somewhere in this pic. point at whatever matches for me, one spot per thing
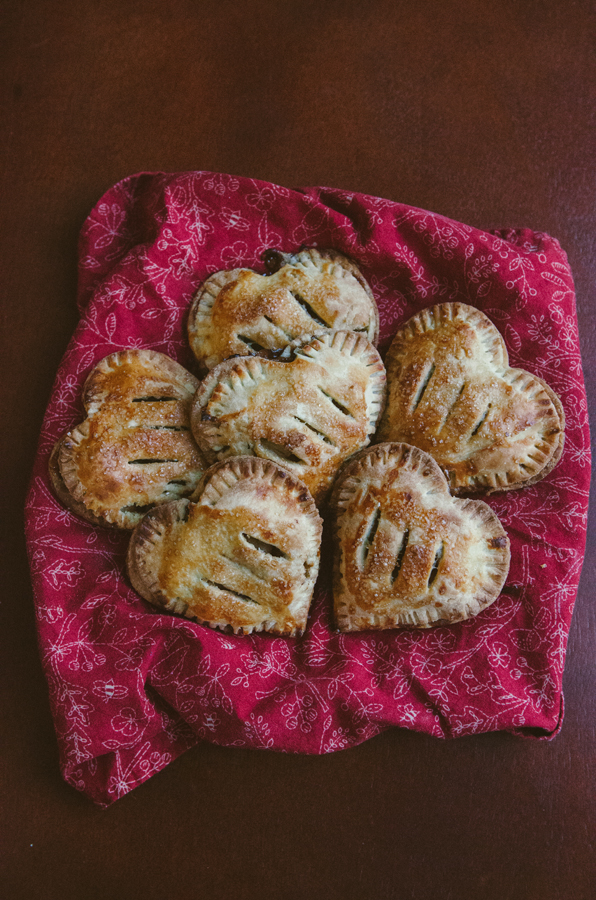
(238, 312)
(407, 553)
(307, 413)
(452, 393)
(241, 555)
(135, 448)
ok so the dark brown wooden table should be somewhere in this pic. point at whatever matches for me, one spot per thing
(481, 111)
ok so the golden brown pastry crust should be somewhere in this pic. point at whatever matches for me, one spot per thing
(451, 393)
(242, 554)
(307, 414)
(406, 552)
(238, 312)
(135, 448)
(63, 495)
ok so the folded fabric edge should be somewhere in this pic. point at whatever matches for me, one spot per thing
(529, 732)
(516, 236)
(542, 734)
(118, 780)
(110, 780)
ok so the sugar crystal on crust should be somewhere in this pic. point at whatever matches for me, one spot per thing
(406, 552)
(452, 393)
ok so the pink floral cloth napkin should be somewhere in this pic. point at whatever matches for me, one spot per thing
(131, 688)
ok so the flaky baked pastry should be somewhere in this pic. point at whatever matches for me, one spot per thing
(451, 392)
(239, 312)
(135, 448)
(241, 555)
(308, 413)
(407, 553)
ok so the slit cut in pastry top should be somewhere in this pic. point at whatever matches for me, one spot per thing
(308, 411)
(242, 555)
(134, 448)
(154, 399)
(264, 547)
(452, 393)
(401, 553)
(240, 312)
(406, 551)
(316, 318)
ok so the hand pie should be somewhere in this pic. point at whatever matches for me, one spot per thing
(406, 552)
(451, 393)
(307, 414)
(135, 447)
(240, 313)
(242, 554)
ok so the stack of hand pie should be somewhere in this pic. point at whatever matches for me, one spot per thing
(221, 479)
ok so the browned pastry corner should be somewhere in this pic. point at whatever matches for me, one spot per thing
(238, 312)
(407, 553)
(135, 448)
(451, 392)
(307, 413)
(241, 555)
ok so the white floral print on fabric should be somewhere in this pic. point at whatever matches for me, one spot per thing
(130, 688)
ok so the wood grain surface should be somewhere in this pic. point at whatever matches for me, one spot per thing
(480, 111)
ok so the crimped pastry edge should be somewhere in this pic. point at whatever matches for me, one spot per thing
(144, 580)
(432, 317)
(427, 616)
(325, 259)
(348, 343)
(62, 493)
(558, 449)
(62, 470)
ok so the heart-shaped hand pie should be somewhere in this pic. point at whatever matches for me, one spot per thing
(407, 552)
(241, 313)
(307, 414)
(135, 447)
(451, 393)
(241, 555)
